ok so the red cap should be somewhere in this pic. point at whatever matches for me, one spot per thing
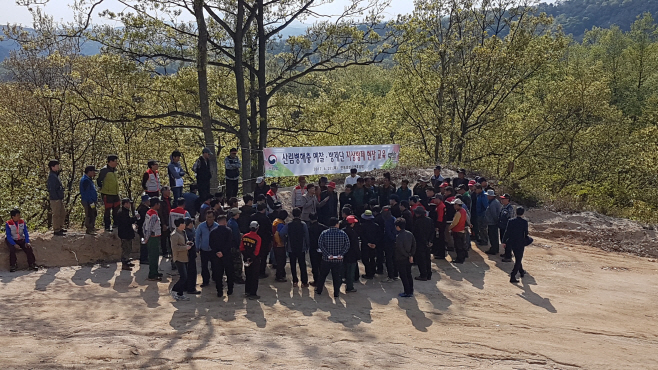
(331, 185)
(351, 220)
(444, 185)
(471, 183)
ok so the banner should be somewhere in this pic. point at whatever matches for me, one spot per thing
(324, 160)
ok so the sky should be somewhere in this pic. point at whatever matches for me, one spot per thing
(61, 11)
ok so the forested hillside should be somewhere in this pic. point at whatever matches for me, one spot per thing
(578, 16)
(497, 91)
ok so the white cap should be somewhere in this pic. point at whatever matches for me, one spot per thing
(253, 224)
(457, 201)
(259, 180)
(491, 193)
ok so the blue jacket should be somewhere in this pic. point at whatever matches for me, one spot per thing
(482, 204)
(88, 192)
(202, 237)
(10, 238)
(175, 171)
(235, 228)
(404, 194)
(389, 229)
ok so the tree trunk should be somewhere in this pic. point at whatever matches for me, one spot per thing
(263, 98)
(204, 104)
(242, 101)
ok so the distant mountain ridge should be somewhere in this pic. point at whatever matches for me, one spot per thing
(575, 17)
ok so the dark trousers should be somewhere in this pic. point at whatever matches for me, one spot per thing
(153, 246)
(369, 258)
(179, 287)
(316, 264)
(424, 262)
(474, 230)
(381, 259)
(264, 251)
(177, 192)
(460, 246)
(204, 189)
(90, 216)
(280, 257)
(190, 285)
(231, 188)
(206, 258)
(518, 258)
(482, 234)
(492, 232)
(12, 252)
(251, 274)
(298, 258)
(350, 269)
(164, 243)
(220, 267)
(439, 245)
(143, 253)
(404, 267)
(508, 249)
(336, 269)
(238, 264)
(112, 204)
(391, 268)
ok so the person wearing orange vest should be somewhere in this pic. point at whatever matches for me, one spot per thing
(17, 235)
(280, 246)
(458, 229)
(151, 180)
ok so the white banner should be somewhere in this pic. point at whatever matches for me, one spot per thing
(324, 160)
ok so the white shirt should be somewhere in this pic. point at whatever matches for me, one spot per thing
(351, 180)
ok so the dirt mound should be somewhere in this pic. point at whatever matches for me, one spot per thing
(596, 230)
(76, 248)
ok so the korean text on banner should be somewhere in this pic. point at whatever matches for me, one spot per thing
(324, 160)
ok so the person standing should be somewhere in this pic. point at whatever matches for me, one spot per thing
(481, 205)
(178, 212)
(385, 192)
(346, 198)
(390, 236)
(315, 228)
(506, 213)
(436, 180)
(333, 243)
(180, 247)
(424, 232)
(279, 246)
(351, 179)
(56, 195)
(330, 209)
(261, 187)
(176, 173)
(516, 238)
(491, 219)
(221, 242)
(152, 235)
(125, 221)
(151, 180)
(371, 237)
(265, 233)
(192, 203)
(250, 248)
(108, 183)
(404, 193)
(405, 213)
(203, 174)
(297, 244)
(351, 258)
(458, 229)
(419, 190)
(310, 203)
(272, 198)
(202, 238)
(460, 179)
(89, 197)
(298, 193)
(405, 249)
(234, 225)
(141, 212)
(232, 166)
(190, 285)
(18, 236)
(247, 210)
(165, 210)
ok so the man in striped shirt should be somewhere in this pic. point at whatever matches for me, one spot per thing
(152, 234)
(333, 243)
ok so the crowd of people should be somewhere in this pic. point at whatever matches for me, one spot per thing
(387, 228)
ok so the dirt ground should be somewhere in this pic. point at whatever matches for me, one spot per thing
(579, 307)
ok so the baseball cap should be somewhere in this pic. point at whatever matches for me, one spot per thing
(126, 200)
(235, 211)
(352, 220)
(461, 170)
(462, 187)
(444, 185)
(253, 224)
(491, 193)
(331, 185)
(259, 180)
(423, 179)
(367, 215)
(471, 183)
(205, 151)
(437, 168)
(457, 201)
(145, 197)
(505, 196)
